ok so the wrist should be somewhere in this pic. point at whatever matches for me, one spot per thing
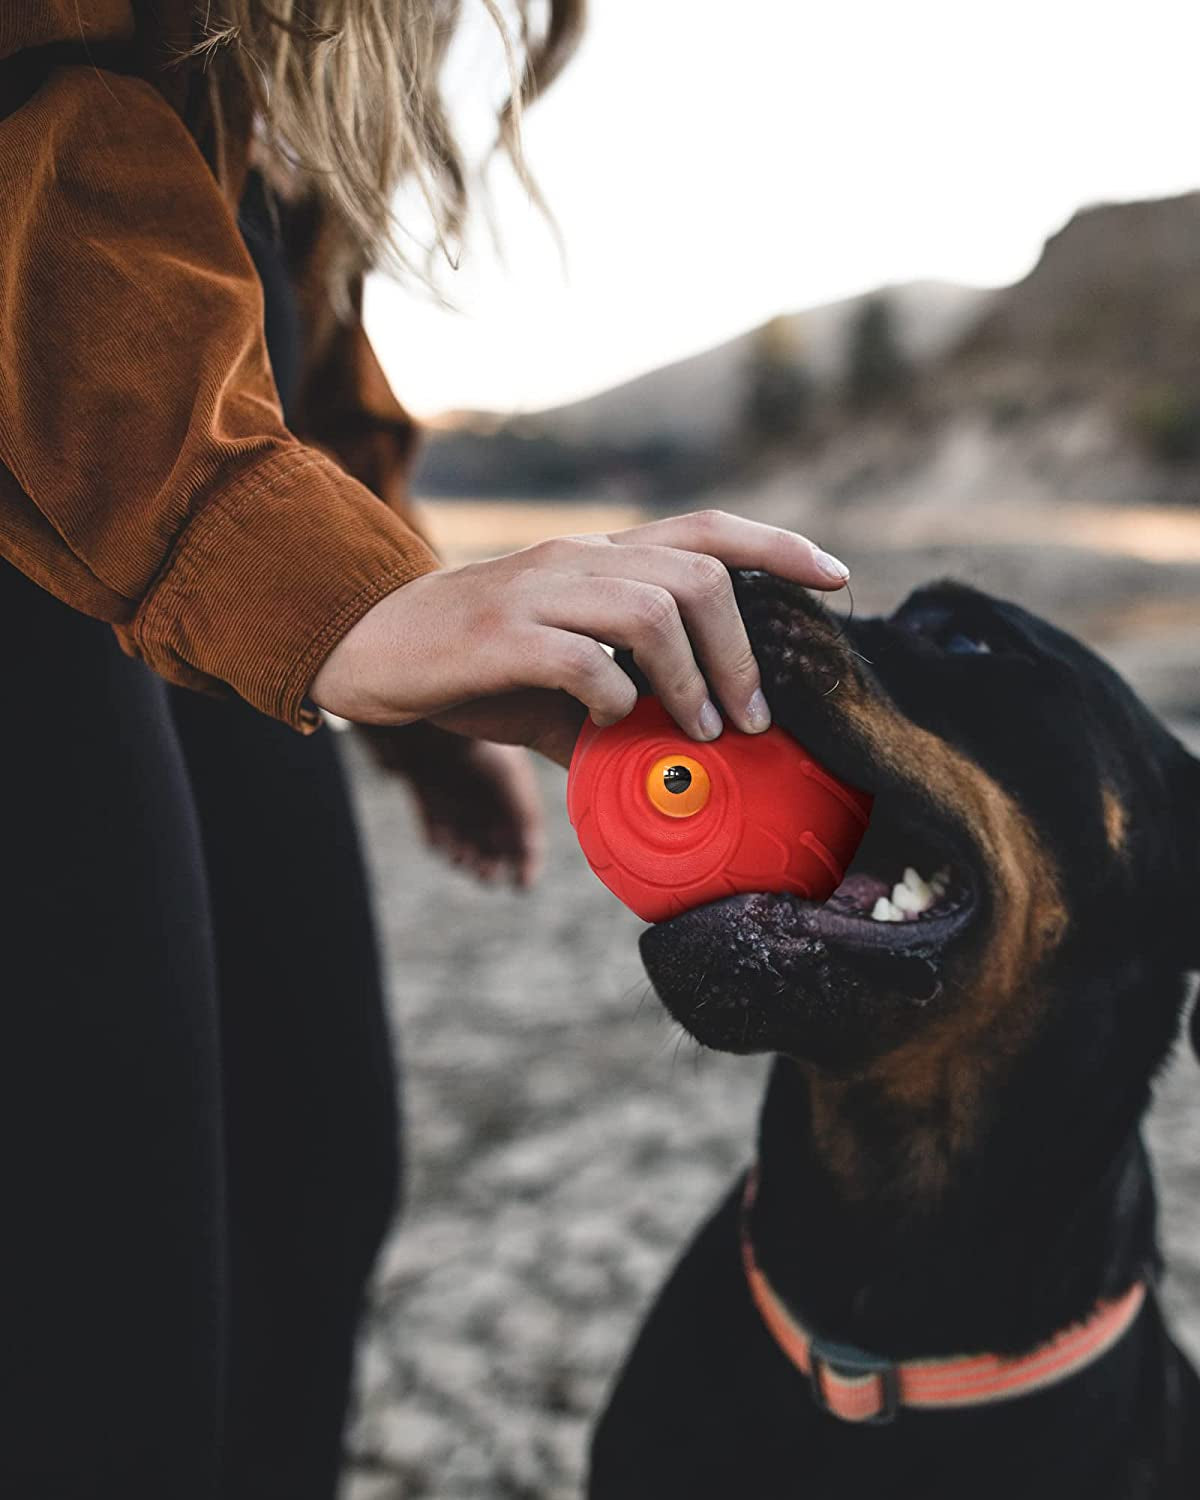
(368, 675)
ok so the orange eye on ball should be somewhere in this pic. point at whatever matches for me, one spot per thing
(678, 786)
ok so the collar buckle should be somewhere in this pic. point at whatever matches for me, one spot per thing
(851, 1363)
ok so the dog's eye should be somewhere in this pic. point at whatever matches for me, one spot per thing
(678, 786)
(960, 644)
(936, 623)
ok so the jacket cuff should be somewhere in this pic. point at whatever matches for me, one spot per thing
(269, 576)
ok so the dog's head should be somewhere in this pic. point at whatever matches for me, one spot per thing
(1034, 840)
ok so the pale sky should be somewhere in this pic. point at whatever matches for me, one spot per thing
(714, 162)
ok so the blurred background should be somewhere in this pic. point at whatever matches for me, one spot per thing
(920, 281)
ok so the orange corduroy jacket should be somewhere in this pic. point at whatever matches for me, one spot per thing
(146, 475)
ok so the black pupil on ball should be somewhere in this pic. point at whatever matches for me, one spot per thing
(677, 779)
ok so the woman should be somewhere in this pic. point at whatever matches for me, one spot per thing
(203, 519)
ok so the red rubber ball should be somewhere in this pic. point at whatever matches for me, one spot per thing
(669, 823)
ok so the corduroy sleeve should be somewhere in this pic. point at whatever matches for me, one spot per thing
(146, 476)
(347, 407)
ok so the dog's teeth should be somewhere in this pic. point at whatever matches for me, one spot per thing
(905, 900)
(884, 911)
(913, 894)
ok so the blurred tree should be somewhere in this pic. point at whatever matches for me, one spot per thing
(1166, 422)
(778, 400)
(877, 369)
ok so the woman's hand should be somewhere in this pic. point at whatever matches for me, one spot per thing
(478, 803)
(465, 645)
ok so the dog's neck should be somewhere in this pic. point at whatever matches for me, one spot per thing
(881, 1229)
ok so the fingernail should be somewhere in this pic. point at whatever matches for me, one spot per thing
(758, 715)
(832, 567)
(709, 720)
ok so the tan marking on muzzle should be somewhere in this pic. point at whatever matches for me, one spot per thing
(939, 1079)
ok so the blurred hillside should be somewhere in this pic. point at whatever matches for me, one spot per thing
(1081, 382)
(693, 422)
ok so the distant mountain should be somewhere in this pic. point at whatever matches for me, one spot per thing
(697, 399)
(1115, 296)
(693, 406)
(1080, 381)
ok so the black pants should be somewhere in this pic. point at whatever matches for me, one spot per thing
(197, 1129)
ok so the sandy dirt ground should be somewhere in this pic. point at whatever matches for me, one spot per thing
(563, 1141)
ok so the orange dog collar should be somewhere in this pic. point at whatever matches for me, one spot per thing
(860, 1387)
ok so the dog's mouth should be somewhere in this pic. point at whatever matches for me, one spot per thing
(771, 972)
(905, 893)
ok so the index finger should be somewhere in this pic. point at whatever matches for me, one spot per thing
(741, 543)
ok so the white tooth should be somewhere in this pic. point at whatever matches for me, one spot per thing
(884, 911)
(914, 895)
(907, 901)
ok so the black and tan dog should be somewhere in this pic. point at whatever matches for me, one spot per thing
(952, 1225)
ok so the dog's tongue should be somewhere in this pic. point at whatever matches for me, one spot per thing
(859, 893)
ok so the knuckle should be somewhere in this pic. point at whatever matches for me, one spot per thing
(741, 666)
(708, 577)
(521, 588)
(656, 610)
(554, 550)
(710, 522)
(686, 686)
(580, 661)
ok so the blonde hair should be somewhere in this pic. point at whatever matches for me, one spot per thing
(348, 97)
